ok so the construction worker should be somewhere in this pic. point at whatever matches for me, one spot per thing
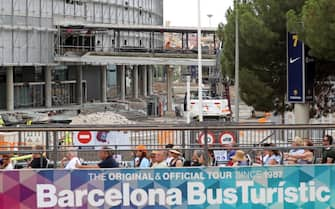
(68, 138)
(29, 122)
(2, 123)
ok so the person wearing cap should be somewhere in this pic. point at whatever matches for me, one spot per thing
(177, 160)
(141, 159)
(170, 157)
(239, 159)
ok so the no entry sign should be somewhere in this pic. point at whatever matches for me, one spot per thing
(226, 138)
(84, 137)
(210, 138)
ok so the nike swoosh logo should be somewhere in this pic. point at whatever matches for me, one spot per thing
(294, 60)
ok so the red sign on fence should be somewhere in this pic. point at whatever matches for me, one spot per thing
(84, 137)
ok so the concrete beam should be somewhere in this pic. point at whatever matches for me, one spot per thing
(131, 60)
(135, 83)
(10, 89)
(48, 87)
(79, 87)
(301, 113)
(150, 80)
(123, 82)
(103, 83)
(169, 88)
(145, 81)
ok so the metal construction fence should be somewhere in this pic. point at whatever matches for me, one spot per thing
(86, 140)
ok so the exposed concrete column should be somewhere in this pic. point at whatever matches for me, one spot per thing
(169, 75)
(301, 115)
(135, 77)
(145, 81)
(118, 80)
(103, 83)
(48, 87)
(150, 80)
(79, 86)
(123, 82)
(10, 89)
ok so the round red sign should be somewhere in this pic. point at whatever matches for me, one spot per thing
(84, 137)
(210, 138)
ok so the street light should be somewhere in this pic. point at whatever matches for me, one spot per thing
(199, 64)
(237, 60)
(210, 19)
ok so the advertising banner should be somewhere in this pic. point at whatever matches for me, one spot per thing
(102, 138)
(242, 187)
(295, 69)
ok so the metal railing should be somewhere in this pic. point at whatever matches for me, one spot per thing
(124, 139)
(32, 94)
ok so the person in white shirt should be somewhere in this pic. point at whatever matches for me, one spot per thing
(70, 160)
(297, 142)
(6, 163)
(160, 160)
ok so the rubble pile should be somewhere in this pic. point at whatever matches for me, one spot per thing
(101, 118)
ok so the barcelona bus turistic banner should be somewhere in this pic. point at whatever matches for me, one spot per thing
(202, 187)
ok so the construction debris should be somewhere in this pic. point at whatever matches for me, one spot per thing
(101, 118)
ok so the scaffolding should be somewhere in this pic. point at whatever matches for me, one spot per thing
(28, 29)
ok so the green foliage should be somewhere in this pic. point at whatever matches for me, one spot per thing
(318, 17)
(262, 37)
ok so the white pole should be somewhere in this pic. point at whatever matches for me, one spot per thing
(237, 59)
(188, 98)
(199, 64)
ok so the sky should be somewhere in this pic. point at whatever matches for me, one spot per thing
(184, 12)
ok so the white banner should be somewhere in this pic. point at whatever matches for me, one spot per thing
(102, 138)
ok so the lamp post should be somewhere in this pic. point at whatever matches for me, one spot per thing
(199, 64)
(237, 59)
(210, 19)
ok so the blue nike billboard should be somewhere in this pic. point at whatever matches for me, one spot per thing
(295, 69)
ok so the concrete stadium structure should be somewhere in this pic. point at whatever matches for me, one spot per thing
(61, 52)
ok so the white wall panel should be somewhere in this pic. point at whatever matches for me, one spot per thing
(106, 13)
(34, 46)
(120, 13)
(1, 47)
(6, 7)
(80, 10)
(58, 7)
(7, 46)
(89, 12)
(45, 48)
(69, 9)
(34, 8)
(19, 7)
(113, 14)
(98, 13)
(46, 8)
